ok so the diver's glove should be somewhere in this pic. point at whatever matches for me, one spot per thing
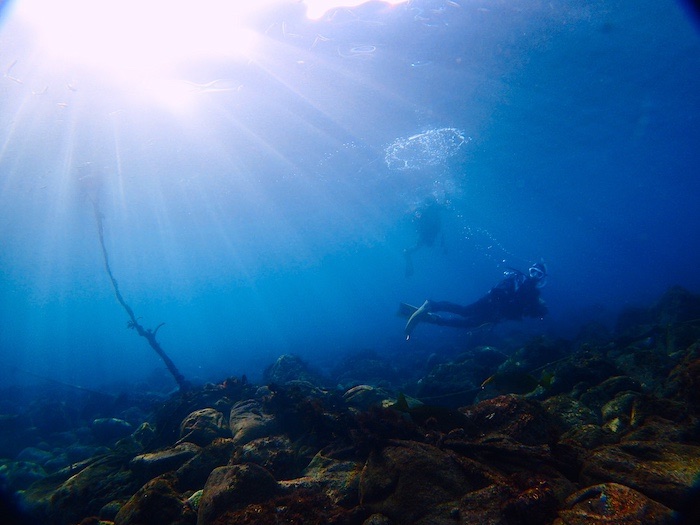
(416, 318)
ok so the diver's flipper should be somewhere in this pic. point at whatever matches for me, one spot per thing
(420, 314)
(406, 310)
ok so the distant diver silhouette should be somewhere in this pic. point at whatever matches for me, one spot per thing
(427, 221)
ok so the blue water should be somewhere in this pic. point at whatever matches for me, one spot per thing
(267, 219)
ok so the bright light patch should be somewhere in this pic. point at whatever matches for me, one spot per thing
(176, 95)
(136, 36)
(144, 44)
(317, 8)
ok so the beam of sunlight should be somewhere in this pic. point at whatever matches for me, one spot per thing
(92, 72)
(143, 47)
(140, 47)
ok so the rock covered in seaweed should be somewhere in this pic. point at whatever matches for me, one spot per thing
(154, 464)
(156, 503)
(292, 368)
(665, 472)
(203, 426)
(412, 482)
(232, 488)
(612, 503)
(249, 421)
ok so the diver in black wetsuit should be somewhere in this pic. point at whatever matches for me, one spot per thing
(427, 221)
(515, 297)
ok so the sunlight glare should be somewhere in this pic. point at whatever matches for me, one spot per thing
(144, 46)
(316, 9)
(135, 36)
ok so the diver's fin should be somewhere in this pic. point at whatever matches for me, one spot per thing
(421, 314)
(406, 310)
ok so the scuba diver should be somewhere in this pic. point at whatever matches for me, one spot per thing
(427, 222)
(515, 297)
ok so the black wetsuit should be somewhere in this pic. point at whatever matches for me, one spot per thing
(515, 297)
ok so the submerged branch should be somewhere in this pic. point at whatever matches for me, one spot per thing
(149, 335)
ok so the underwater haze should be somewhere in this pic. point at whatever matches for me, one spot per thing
(258, 200)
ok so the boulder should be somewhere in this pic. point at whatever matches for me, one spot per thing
(248, 422)
(596, 397)
(408, 481)
(456, 383)
(522, 420)
(589, 436)
(612, 503)
(274, 453)
(665, 472)
(377, 519)
(683, 382)
(18, 475)
(35, 455)
(232, 488)
(362, 397)
(570, 412)
(339, 480)
(291, 368)
(194, 473)
(109, 429)
(157, 463)
(484, 506)
(203, 426)
(156, 503)
(80, 490)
